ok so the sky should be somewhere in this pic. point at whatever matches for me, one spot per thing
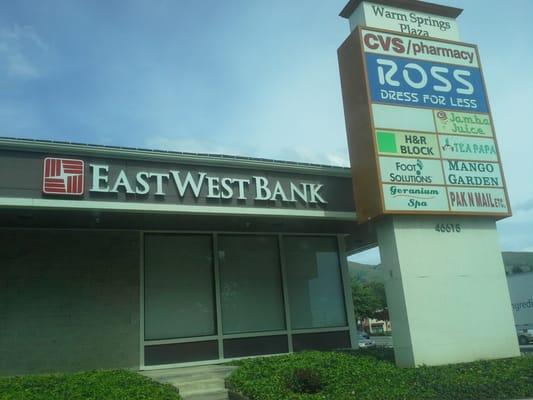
(240, 77)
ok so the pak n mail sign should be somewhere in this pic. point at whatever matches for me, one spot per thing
(419, 127)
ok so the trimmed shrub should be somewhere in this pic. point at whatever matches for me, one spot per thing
(305, 380)
(92, 385)
(371, 374)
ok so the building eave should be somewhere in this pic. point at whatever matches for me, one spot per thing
(422, 6)
(66, 148)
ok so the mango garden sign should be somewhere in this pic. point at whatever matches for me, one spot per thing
(419, 126)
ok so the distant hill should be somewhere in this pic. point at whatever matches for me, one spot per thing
(517, 257)
(365, 272)
(517, 261)
(514, 261)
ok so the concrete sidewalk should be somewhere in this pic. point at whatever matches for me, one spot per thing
(386, 341)
(205, 382)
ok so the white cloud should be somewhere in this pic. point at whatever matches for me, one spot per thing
(524, 206)
(18, 46)
(340, 160)
(26, 32)
(190, 145)
(19, 65)
(235, 148)
(515, 232)
(307, 154)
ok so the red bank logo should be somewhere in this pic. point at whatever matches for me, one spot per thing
(63, 176)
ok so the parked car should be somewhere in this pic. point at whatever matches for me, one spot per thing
(364, 340)
(525, 335)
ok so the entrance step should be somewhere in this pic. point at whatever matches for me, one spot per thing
(205, 382)
(213, 394)
(197, 385)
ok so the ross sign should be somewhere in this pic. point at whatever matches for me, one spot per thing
(396, 80)
(404, 21)
(63, 176)
(423, 140)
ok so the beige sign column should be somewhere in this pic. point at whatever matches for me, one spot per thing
(447, 292)
(427, 172)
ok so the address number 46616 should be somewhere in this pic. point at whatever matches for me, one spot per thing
(448, 228)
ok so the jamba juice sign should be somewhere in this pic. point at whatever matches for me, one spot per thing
(458, 123)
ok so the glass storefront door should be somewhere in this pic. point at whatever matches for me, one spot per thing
(179, 298)
(250, 284)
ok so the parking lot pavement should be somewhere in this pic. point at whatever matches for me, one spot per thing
(527, 349)
(385, 341)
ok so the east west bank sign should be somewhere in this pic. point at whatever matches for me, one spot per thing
(131, 184)
(214, 187)
(66, 177)
(76, 176)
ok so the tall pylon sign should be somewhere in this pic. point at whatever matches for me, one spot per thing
(426, 170)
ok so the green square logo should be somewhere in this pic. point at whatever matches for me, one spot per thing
(386, 142)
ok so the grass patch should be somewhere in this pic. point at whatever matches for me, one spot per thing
(371, 374)
(93, 385)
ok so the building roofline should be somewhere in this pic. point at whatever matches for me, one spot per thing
(220, 160)
(422, 6)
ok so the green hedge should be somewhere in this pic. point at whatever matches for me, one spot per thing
(371, 375)
(94, 385)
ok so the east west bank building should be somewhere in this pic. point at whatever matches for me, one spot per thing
(115, 257)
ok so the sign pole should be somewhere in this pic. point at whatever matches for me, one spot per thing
(426, 169)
